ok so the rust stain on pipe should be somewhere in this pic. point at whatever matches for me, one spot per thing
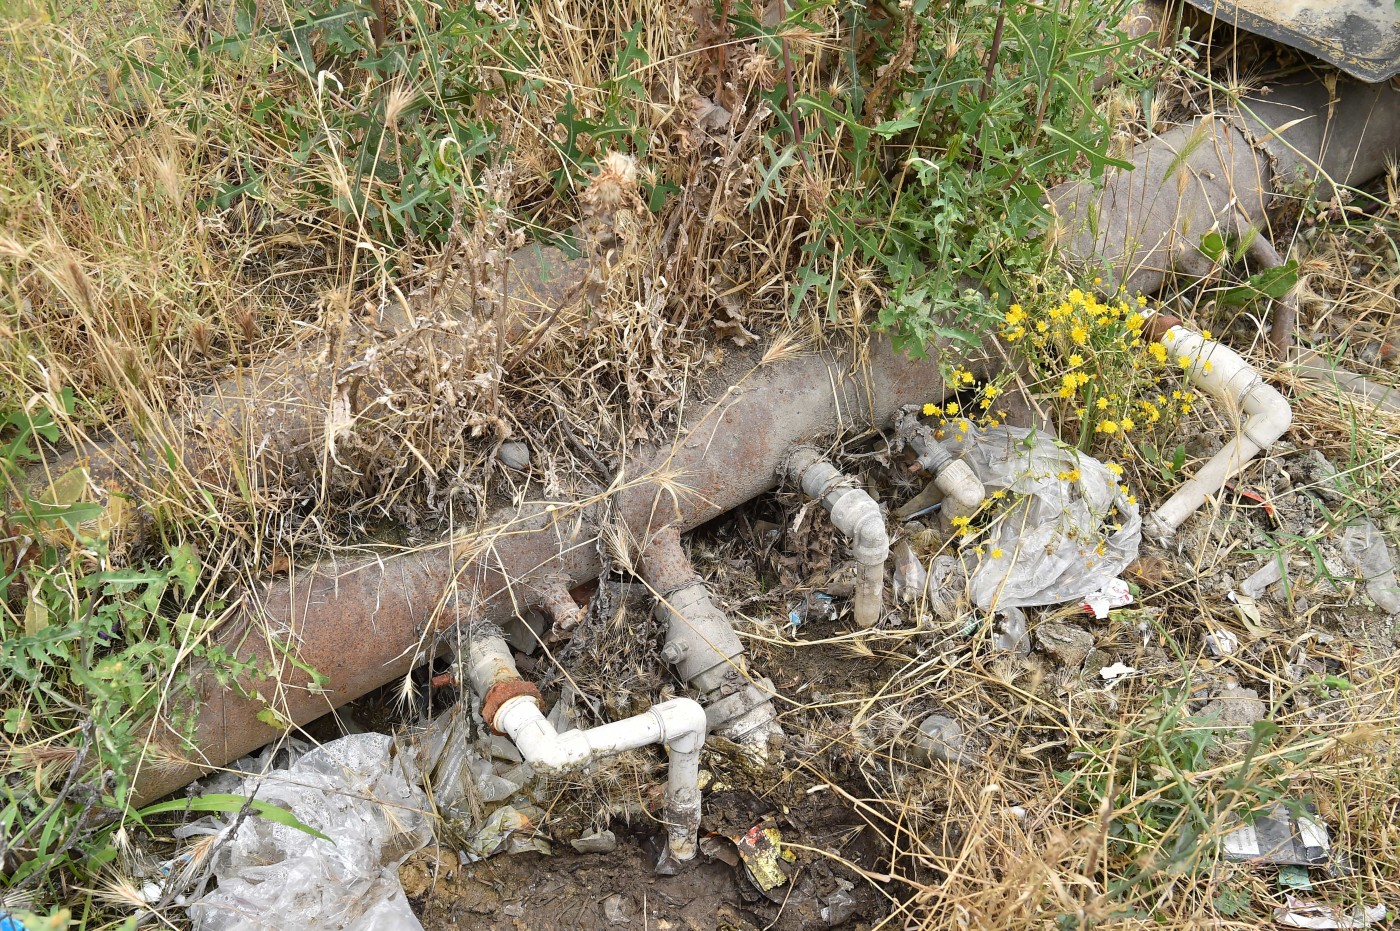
(366, 623)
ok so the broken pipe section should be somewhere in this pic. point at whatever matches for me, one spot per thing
(362, 624)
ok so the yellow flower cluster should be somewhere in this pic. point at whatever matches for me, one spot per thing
(953, 418)
(1110, 377)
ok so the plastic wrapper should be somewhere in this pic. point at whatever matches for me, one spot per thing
(272, 876)
(1364, 548)
(1064, 528)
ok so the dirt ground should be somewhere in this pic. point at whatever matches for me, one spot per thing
(568, 890)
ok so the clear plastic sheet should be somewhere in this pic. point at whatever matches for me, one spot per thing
(362, 796)
(1064, 528)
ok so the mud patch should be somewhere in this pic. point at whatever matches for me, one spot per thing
(621, 889)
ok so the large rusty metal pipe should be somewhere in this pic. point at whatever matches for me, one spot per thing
(275, 423)
(368, 622)
(1223, 173)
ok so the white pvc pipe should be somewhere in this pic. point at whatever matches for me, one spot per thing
(962, 489)
(679, 724)
(857, 515)
(1220, 372)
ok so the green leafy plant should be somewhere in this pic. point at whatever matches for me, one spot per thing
(991, 102)
(90, 653)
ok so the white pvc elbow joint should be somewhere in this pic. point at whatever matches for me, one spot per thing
(1221, 373)
(857, 515)
(961, 485)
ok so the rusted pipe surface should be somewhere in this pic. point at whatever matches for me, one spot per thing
(1222, 173)
(364, 624)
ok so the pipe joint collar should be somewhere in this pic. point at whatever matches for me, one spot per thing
(502, 692)
(683, 724)
(961, 484)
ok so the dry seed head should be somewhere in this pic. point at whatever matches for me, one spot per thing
(247, 323)
(614, 186)
(399, 100)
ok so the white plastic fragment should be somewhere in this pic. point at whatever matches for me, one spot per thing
(1115, 593)
(1279, 836)
(1266, 575)
(1118, 671)
(1299, 913)
(1365, 550)
(1064, 528)
(1222, 642)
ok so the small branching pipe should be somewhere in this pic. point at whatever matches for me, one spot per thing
(1220, 373)
(702, 645)
(857, 515)
(963, 492)
(511, 706)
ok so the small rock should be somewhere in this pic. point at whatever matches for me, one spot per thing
(514, 455)
(1069, 644)
(613, 909)
(941, 738)
(1236, 707)
(1097, 661)
(601, 842)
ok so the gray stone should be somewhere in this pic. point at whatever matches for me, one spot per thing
(1236, 707)
(1067, 643)
(514, 455)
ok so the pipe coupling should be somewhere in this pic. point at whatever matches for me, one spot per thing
(502, 692)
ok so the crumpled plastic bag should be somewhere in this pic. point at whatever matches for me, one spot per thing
(272, 877)
(1057, 528)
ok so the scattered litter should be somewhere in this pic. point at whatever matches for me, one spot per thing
(944, 587)
(8, 923)
(840, 907)
(1067, 530)
(1294, 877)
(271, 876)
(1268, 574)
(941, 738)
(508, 829)
(910, 576)
(1222, 642)
(1278, 837)
(719, 848)
(1115, 593)
(1299, 913)
(761, 849)
(1116, 673)
(818, 606)
(600, 842)
(1365, 550)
